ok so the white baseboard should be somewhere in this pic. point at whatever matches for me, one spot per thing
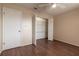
(51, 40)
(25, 44)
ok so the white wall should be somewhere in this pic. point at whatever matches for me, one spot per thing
(66, 27)
(27, 29)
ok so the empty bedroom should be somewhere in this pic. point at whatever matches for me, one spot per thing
(39, 29)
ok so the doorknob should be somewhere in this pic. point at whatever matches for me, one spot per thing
(19, 31)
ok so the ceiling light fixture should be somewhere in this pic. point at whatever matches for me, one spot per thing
(54, 6)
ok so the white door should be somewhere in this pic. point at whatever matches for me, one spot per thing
(11, 28)
(40, 28)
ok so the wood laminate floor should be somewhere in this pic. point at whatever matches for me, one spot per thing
(44, 48)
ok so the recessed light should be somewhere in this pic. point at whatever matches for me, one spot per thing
(54, 6)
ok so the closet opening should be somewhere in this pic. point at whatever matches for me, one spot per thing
(40, 29)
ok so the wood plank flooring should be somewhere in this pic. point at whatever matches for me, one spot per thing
(44, 48)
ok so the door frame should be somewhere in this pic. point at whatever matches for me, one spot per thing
(33, 30)
(1, 6)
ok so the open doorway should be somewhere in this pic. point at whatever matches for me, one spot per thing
(41, 28)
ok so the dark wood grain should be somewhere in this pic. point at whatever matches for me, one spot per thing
(44, 48)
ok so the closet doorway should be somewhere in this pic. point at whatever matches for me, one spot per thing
(41, 28)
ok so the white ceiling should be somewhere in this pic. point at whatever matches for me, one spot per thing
(61, 7)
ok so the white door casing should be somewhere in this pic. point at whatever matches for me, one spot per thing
(50, 28)
(0, 29)
(33, 30)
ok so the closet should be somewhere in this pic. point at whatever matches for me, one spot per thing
(41, 28)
